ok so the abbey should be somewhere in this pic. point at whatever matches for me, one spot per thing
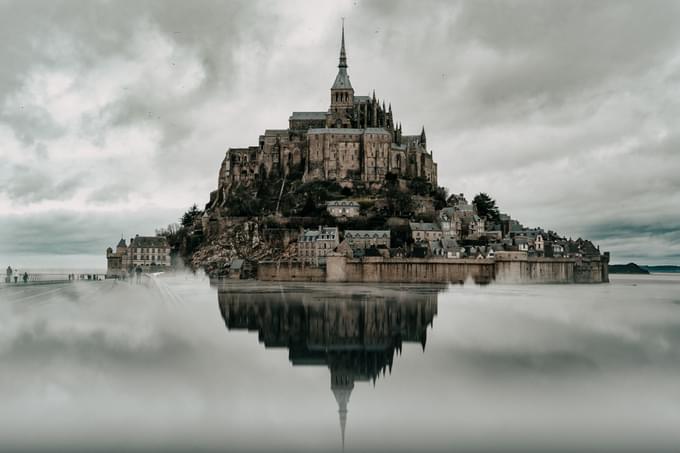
(355, 140)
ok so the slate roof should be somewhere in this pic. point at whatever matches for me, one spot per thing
(308, 116)
(271, 132)
(333, 130)
(367, 234)
(341, 130)
(376, 130)
(424, 226)
(324, 233)
(149, 241)
(343, 203)
(121, 243)
(341, 80)
(411, 139)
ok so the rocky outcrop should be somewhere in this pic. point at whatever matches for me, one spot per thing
(239, 240)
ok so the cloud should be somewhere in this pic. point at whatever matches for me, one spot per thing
(565, 113)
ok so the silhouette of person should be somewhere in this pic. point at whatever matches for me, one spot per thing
(8, 279)
(25, 277)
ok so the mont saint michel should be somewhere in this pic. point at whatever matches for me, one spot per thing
(344, 195)
(339, 226)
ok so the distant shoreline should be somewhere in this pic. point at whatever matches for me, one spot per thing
(633, 268)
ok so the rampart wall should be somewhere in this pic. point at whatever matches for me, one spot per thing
(290, 271)
(505, 267)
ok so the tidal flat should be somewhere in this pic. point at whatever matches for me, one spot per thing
(178, 363)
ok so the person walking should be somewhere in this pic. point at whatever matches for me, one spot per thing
(8, 278)
(138, 271)
(25, 277)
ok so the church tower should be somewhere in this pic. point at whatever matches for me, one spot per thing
(342, 93)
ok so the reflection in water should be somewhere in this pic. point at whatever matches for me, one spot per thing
(354, 333)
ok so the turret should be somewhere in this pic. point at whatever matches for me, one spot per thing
(423, 140)
(122, 246)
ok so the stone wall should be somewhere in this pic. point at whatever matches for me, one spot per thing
(408, 270)
(506, 267)
(289, 271)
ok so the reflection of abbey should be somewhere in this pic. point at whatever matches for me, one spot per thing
(354, 335)
(356, 139)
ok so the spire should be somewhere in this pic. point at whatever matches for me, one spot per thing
(342, 385)
(342, 79)
(422, 136)
(342, 397)
(343, 55)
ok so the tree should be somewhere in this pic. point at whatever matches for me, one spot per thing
(420, 186)
(189, 216)
(439, 196)
(486, 207)
(399, 204)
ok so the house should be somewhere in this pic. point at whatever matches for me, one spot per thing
(473, 226)
(465, 210)
(363, 239)
(149, 251)
(522, 243)
(236, 268)
(493, 235)
(425, 231)
(456, 200)
(343, 208)
(447, 248)
(539, 243)
(449, 222)
(146, 252)
(436, 248)
(557, 249)
(315, 245)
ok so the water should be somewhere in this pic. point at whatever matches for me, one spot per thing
(176, 364)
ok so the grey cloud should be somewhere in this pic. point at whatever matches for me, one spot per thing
(519, 99)
(27, 184)
(64, 233)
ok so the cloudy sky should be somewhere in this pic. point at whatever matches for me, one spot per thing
(115, 116)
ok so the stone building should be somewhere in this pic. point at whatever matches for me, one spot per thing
(148, 252)
(425, 231)
(315, 245)
(355, 141)
(117, 262)
(363, 239)
(343, 208)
